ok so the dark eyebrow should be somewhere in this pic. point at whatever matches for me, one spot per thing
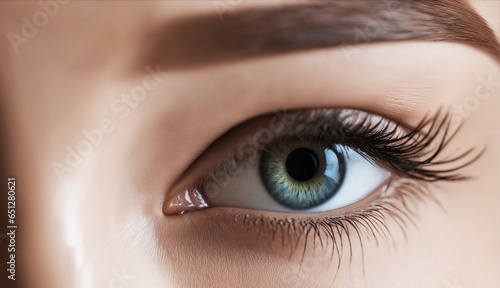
(205, 39)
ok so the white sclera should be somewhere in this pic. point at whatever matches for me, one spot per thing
(246, 190)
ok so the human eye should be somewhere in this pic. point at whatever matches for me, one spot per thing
(323, 168)
(294, 170)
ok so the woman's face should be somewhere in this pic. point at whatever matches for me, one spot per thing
(222, 143)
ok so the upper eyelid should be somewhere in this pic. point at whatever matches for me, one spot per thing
(207, 165)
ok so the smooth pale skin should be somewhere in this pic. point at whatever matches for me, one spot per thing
(105, 217)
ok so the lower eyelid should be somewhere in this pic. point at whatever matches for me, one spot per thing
(381, 216)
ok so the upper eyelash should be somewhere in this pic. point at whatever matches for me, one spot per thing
(405, 153)
(408, 154)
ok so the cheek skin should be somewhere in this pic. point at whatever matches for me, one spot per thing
(222, 246)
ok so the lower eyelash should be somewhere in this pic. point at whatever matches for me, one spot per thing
(397, 203)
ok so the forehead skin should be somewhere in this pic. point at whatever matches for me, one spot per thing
(104, 217)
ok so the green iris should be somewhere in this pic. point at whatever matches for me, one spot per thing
(301, 173)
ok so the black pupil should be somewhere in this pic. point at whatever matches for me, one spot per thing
(302, 164)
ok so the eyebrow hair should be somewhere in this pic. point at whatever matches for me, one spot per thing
(205, 39)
